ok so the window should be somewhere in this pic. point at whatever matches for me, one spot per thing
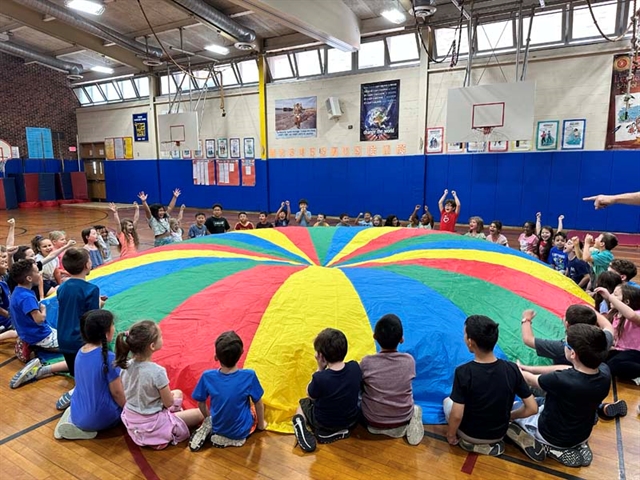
(280, 67)
(203, 79)
(248, 71)
(371, 55)
(82, 97)
(446, 36)
(167, 85)
(546, 28)
(142, 84)
(183, 81)
(308, 63)
(583, 26)
(110, 92)
(339, 61)
(94, 93)
(228, 75)
(495, 35)
(403, 48)
(127, 90)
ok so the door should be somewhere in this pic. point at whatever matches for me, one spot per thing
(95, 179)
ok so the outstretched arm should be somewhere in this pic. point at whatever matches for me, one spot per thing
(588, 243)
(136, 215)
(415, 212)
(603, 201)
(143, 198)
(623, 309)
(56, 253)
(442, 199)
(182, 207)
(538, 223)
(172, 203)
(116, 217)
(355, 222)
(457, 200)
(560, 224)
(11, 236)
(528, 337)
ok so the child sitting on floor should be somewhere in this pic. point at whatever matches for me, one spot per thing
(626, 269)
(565, 418)
(387, 395)
(480, 405)
(236, 409)
(476, 228)
(558, 258)
(577, 269)
(263, 222)
(198, 229)
(243, 222)
(331, 407)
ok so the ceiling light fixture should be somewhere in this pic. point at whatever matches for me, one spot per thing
(100, 69)
(394, 16)
(92, 7)
(219, 49)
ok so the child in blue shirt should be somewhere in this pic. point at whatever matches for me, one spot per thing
(283, 214)
(577, 269)
(303, 217)
(236, 409)
(198, 229)
(558, 258)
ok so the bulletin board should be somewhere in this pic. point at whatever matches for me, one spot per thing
(228, 172)
(118, 148)
(204, 172)
(248, 172)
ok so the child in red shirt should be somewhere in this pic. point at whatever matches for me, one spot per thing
(449, 211)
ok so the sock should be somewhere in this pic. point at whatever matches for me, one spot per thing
(44, 371)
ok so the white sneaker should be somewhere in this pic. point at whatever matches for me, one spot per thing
(67, 430)
(415, 430)
(27, 374)
(220, 441)
(201, 435)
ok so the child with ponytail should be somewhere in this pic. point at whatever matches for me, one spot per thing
(152, 413)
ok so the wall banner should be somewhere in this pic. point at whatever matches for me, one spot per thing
(140, 127)
(623, 131)
(379, 111)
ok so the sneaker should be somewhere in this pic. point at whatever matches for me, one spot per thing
(220, 441)
(529, 445)
(305, 438)
(397, 432)
(586, 454)
(415, 430)
(64, 401)
(23, 351)
(67, 430)
(613, 410)
(330, 437)
(200, 435)
(27, 374)
(569, 457)
(491, 449)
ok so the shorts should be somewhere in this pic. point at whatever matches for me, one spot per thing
(308, 409)
(530, 425)
(50, 342)
(156, 429)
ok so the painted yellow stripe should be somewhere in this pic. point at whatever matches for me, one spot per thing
(360, 240)
(282, 351)
(279, 239)
(165, 256)
(541, 272)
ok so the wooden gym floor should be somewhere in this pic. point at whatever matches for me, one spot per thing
(29, 451)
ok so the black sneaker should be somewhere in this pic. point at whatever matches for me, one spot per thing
(529, 445)
(200, 436)
(612, 410)
(330, 437)
(569, 457)
(305, 438)
(586, 454)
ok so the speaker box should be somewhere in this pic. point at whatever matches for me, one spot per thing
(333, 107)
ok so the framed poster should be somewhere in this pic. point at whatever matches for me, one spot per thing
(198, 153)
(573, 132)
(476, 147)
(175, 154)
(249, 148)
(499, 146)
(234, 147)
(520, 145)
(547, 135)
(623, 130)
(457, 147)
(223, 148)
(210, 148)
(296, 117)
(434, 140)
(140, 127)
(186, 153)
(379, 111)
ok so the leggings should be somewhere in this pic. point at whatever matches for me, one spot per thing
(624, 364)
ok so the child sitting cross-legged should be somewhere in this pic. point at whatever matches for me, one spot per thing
(331, 407)
(387, 396)
(565, 418)
(235, 395)
(480, 406)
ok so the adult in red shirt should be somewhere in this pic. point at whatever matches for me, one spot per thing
(449, 211)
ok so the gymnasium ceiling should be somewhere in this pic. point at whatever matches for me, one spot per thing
(175, 27)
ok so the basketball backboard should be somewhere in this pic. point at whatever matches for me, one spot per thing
(178, 131)
(498, 112)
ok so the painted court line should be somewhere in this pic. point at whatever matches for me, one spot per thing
(30, 429)
(7, 362)
(469, 463)
(622, 475)
(136, 452)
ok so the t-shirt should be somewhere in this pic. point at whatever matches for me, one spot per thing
(633, 284)
(501, 240)
(196, 231)
(282, 223)
(264, 225)
(571, 404)
(601, 261)
(542, 245)
(387, 396)
(142, 382)
(554, 349)
(630, 337)
(336, 395)
(127, 245)
(362, 223)
(558, 259)
(528, 244)
(303, 219)
(448, 221)
(577, 269)
(217, 225)
(159, 226)
(75, 298)
(96, 257)
(487, 391)
(229, 393)
(247, 226)
(92, 406)
(23, 302)
(48, 268)
(5, 296)
(479, 236)
(340, 224)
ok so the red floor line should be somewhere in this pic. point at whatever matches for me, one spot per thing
(145, 468)
(469, 463)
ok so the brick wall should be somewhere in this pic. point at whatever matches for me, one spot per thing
(35, 96)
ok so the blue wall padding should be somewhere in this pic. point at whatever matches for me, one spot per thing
(73, 166)
(124, 179)
(13, 166)
(10, 196)
(21, 193)
(46, 187)
(66, 192)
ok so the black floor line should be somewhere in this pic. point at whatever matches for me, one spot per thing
(518, 461)
(8, 361)
(30, 429)
(622, 475)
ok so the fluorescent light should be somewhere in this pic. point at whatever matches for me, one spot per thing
(91, 7)
(102, 69)
(394, 16)
(219, 49)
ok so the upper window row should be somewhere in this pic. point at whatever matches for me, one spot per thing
(113, 91)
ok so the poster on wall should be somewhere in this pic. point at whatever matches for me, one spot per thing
(573, 132)
(198, 153)
(228, 173)
(210, 148)
(119, 148)
(204, 172)
(296, 117)
(39, 142)
(623, 130)
(249, 148)
(223, 148)
(520, 145)
(248, 172)
(128, 148)
(379, 111)
(175, 154)
(547, 135)
(476, 147)
(140, 127)
(457, 147)
(434, 140)
(499, 146)
(110, 148)
(234, 147)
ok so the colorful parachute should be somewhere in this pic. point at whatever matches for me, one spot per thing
(277, 288)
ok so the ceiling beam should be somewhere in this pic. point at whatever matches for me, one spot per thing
(184, 23)
(11, 26)
(69, 34)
